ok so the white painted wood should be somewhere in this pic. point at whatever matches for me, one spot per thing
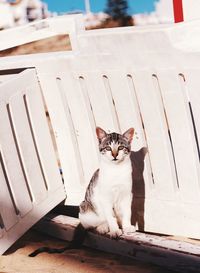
(8, 213)
(156, 133)
(84, 88)
(101, 101)
(26, 146)
(65, 137)
(191, 85)
(125, 107)
(190, 10)
(24, 196)
(180, 126)
(45, 148)
(11, 161)
(76, 95)
(42, 29)
(169, 242)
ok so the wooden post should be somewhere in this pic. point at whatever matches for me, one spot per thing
(178, 11)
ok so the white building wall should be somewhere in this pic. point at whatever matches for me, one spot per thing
(191, 10)
(6, 18)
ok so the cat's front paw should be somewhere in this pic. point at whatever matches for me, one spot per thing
(129, 230)
(103, 228)
(115, 233)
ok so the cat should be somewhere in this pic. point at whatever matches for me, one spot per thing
(108, 198)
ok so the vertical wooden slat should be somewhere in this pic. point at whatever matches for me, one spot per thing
(12, 164)
(76, 168)
(35, 110)
(125, 106)
(192, 86)
(26, 143)
(83, 123)
(191, 216)
(101, 101)
(180, 125)
(190, 82)
(84, 89)
(64, 136)
(24, 196)
(7, 211)
(157, 134)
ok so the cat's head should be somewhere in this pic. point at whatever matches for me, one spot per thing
(113, 146)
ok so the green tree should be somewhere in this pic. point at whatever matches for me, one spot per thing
(118, 11)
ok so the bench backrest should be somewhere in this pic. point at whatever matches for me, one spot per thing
(147, 78)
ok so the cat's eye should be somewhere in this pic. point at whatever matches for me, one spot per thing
(121, 147)
(108, 148)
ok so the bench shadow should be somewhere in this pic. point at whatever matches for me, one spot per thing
(138, 188)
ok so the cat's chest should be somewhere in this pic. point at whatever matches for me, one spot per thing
(115, 177)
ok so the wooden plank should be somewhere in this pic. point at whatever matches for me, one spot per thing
(191, 219)
(98, 91)
(35, 110)
(158, 214)
(27, 147)
(42, 29)
(191, 81)
(83, 123)
(38, 211)
(7, 210)
(176, 255)
(20, 162)
(157, 137)
(125, 107)
(65, 138)
(182, 134)
(12, 165)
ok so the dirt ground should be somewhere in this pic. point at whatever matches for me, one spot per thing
(52, 44)
(83, 260)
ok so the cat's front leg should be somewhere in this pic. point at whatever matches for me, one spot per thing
(114, 230)
(125, 215)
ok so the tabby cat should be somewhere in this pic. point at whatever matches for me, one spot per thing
(108, 198)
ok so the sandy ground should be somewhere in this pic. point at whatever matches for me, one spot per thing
(84, 260)
(56, 43)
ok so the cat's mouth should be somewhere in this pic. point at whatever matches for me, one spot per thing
(115, 159)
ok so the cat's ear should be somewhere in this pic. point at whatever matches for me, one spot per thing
(129, 134)
(100, 134)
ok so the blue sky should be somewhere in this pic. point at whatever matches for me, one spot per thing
(135, 6)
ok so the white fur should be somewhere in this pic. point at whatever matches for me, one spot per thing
(112, 198)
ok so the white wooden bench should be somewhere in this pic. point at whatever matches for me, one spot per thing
(145, 77)
(29, 176)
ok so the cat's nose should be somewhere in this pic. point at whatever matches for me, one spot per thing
(115, 154)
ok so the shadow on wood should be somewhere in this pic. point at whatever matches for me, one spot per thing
(138, 187)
